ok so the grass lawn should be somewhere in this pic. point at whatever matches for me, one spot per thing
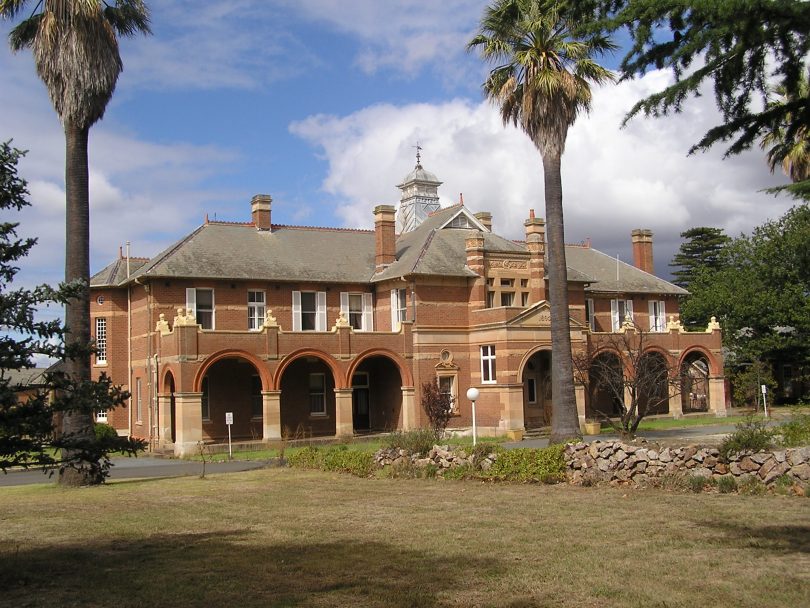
(286, 537)
(661, 424)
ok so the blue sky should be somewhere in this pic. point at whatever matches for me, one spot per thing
(320, 104)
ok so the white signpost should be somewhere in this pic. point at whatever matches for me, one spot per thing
(229, 422)
(764, 398)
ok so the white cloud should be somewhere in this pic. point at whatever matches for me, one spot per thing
(400, 35)
(141, 191)
(613, 179)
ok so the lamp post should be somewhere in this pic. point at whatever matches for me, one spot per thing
(472, 395)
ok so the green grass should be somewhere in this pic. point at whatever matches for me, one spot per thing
(286, 537)
(661, 424)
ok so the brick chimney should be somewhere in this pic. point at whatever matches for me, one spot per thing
(643, 249)
(260, 211)
(485, 217)
(536, 246)
(385, 238)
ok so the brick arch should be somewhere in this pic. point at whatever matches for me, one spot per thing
(264, 375)
(331, 363)
(658, 350)
(529, 354)
(404, 373)
(166, 371)
(715, 369)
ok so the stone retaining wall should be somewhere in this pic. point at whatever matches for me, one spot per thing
(440, 456)
(623, 462)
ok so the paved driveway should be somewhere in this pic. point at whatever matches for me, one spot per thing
(141, 467)
(713, 433)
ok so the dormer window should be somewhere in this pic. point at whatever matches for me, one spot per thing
(460, 221)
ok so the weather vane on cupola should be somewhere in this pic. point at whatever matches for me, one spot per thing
(418, 154)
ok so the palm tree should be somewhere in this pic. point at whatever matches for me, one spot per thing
(792, 153)
(541, 82)
(76, 55)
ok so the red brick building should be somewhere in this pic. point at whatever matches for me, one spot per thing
(303, 331)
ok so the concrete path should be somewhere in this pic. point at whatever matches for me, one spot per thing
(141, 467)
(694, 434)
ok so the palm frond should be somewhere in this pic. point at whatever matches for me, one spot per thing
(23, 34)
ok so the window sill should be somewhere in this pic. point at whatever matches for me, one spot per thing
(319, 417)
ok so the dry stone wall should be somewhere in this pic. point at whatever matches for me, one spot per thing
(616, 461)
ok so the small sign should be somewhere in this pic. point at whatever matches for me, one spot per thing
(764, 389)
(228, 417)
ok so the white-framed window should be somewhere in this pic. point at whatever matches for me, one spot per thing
(589, 314)
(101, 342)
(358, 309)
(101, 416)
(317, 394)
(138, 401)
(399, 310)
(447, 386)
(531, 390)
(255, 397)
(205, 402)
(488, 364)
(201, 302)
(507, 298)
(658, 315)
(257, 306)
(619, 310)
(309, 310)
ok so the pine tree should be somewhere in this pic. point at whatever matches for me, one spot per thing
(701, 248)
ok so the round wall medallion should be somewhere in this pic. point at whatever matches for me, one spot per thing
(100, 300)
(446, 356)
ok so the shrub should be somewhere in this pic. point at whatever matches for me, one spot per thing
(726, 484)
(698, 483)
(336, 458)
(417, 441)
(305, 458)
(796, 432)
(437, 405)
(546, 465)
(104, 431)
(751, 435)
(751, 485)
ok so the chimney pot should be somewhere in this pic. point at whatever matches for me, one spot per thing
(485, 217)
(642, 239)
(260, 210)
(385, 238)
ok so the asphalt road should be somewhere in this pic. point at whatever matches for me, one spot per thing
(141, 467)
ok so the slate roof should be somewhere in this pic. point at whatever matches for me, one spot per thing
(602, 268)
(32, 376)
(287, 253)
(220, 250)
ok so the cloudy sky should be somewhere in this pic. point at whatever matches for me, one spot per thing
(320, 104)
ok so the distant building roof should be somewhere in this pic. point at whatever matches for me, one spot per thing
(30, 377)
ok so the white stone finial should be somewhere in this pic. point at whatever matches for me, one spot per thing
(341, 321)
(713, 325)
(627, 324)
(269, 319)
(674, 325)
(162, 326)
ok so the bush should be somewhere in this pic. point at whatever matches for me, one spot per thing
(417, 441)
(751, 485)
(751, 436)
(437, 405)
(337, 458)
(726, 484)
(546, 465)
(104, 431)
(796, 432)
(698, 483)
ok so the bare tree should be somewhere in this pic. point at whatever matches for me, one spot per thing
(626, 379)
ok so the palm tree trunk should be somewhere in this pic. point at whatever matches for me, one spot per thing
(564, 419)
(77, 424)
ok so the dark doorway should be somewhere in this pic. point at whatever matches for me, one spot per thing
(172, 410)
(537, 395)
(360, 402)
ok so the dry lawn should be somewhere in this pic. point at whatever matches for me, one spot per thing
(281, 537)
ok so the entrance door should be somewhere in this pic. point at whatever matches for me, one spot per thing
(360, 402)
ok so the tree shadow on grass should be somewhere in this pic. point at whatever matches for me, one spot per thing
(774, 539)
(234, 568)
